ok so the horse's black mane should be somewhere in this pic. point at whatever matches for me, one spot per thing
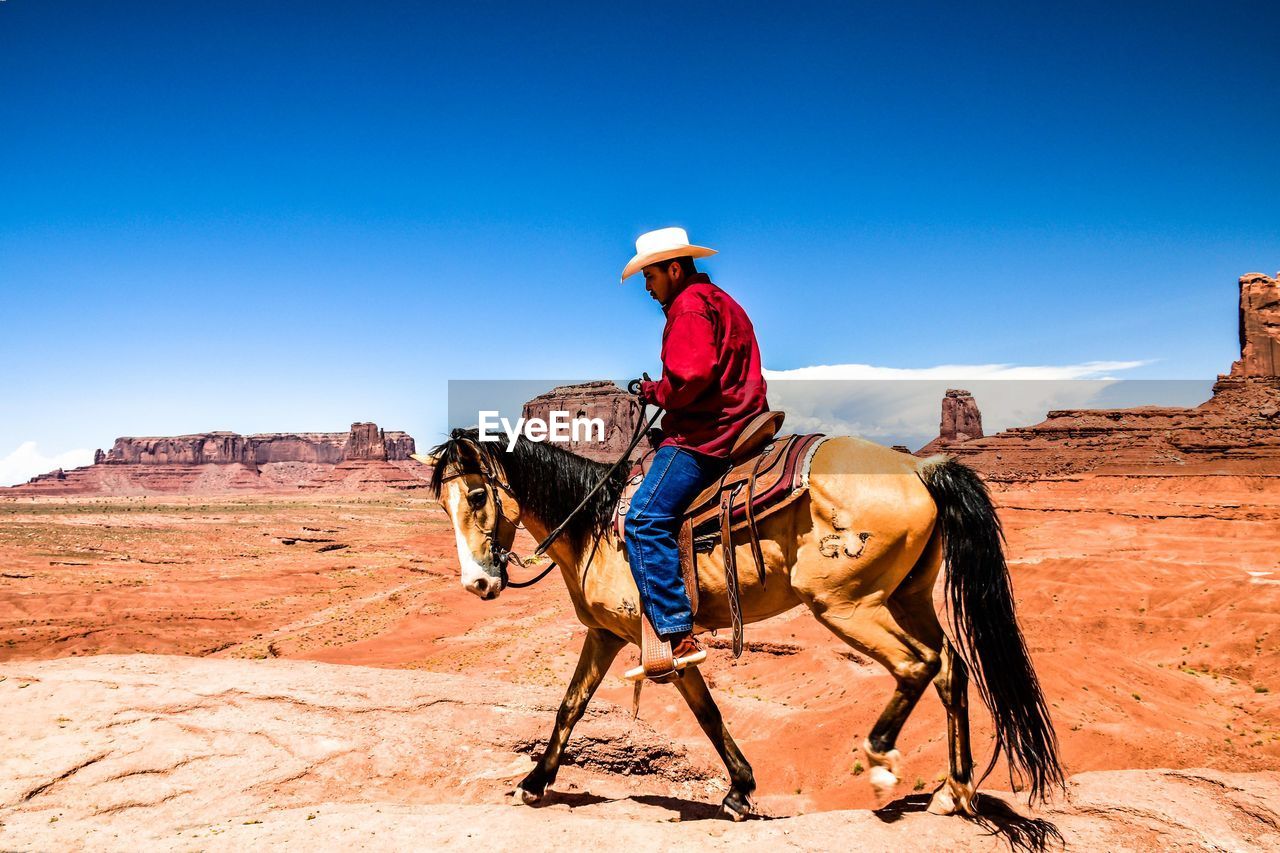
(547, 480)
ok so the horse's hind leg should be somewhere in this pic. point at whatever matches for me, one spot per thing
(872, 629)
(912, 605)
(598, 652)
(956, 794)
(737, 803)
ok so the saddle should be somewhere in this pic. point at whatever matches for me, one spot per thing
(768, 473)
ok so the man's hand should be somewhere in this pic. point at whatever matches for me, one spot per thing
(637, 387)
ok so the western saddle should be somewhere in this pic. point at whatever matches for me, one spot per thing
(768, 472)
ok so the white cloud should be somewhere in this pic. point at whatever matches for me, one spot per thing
(26, 461)
(895, 405)
(958, 372)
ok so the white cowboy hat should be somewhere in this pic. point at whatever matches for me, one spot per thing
(663, 245)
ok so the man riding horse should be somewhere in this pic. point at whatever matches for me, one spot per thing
(711, 387)
(862, 550)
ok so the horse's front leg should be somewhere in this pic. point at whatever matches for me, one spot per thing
(598, 652)
(742, 781)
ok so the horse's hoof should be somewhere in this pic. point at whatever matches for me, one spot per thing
(523, 797)
(883, 783)
(952, 798)
(736, 807)
(884, 773)
(942, 803)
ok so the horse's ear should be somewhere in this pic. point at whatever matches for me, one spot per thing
(431, 459)
(467, 449)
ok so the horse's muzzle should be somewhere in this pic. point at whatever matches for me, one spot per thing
(486, 588)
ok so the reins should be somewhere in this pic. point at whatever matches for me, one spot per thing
(641, 429)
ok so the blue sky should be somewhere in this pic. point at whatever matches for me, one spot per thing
(280, 216)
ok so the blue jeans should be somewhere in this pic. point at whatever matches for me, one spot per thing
(653, 521)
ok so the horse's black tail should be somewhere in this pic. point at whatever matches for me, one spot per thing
(980, 601)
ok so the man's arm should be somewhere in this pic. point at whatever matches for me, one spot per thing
(688, 362)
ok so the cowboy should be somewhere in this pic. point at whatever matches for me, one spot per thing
(711, 386)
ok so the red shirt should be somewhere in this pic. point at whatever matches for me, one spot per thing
(711, 381)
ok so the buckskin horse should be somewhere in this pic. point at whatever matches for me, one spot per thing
(862, 550)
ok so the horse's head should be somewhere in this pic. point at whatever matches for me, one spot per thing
(468, 480)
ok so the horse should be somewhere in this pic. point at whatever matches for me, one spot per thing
(862, 550)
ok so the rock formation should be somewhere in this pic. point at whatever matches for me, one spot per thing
(961, 421)
(1237, 429)
(364, 441)
(1259, 327)
(364, 458)
(599, 399)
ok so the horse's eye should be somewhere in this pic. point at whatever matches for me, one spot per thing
(477, 498)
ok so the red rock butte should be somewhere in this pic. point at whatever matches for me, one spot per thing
(600, 399)
(961, 421)
(1237, 430)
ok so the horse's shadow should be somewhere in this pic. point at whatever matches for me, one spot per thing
(1030, 834)
(572, 799)
(1022, 833)
(688, 810)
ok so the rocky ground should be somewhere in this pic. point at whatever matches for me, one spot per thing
(122, 751)
(1148, 603)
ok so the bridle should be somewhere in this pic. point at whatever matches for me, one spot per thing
(499, 555)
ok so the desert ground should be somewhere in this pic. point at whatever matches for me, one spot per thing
(211, 672)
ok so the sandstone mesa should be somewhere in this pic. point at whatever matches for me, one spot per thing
(365, 458)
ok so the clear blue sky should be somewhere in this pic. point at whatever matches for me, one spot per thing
(266, 216)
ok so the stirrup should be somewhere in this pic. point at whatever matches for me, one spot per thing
(656, 660)
(677, 664)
